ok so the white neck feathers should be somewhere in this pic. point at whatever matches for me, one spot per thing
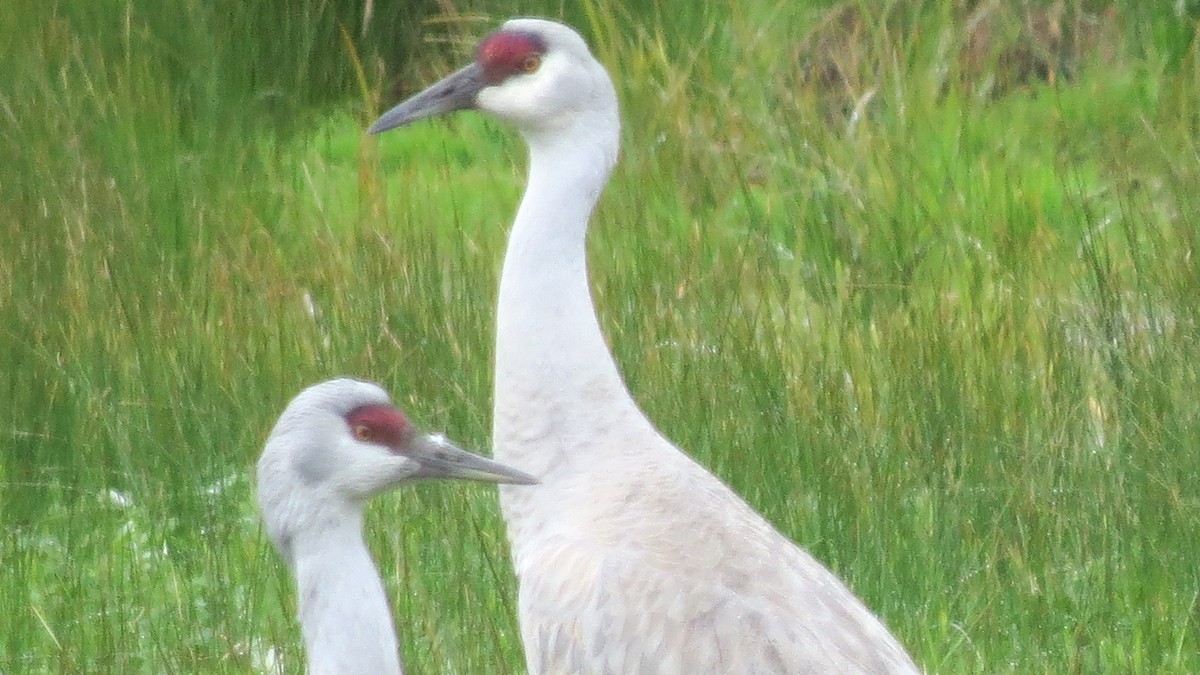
(343, 607)
(556, 380)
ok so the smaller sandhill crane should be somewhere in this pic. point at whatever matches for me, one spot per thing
(632, 558)
(337, 444)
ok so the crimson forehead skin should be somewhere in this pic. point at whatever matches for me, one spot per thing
(503, 53)
(384, 424)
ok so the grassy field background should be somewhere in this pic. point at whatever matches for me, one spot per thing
(918, 279)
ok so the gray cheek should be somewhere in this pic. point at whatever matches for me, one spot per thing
(315, 465)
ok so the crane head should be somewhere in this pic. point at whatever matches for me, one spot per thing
(343, 441)
(534, 73)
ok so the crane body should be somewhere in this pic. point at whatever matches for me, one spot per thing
(631, 557)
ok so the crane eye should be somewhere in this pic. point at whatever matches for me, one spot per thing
(531, 63)
(363, 433)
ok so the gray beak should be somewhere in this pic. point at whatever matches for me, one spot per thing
(440, 458)
(453, 92)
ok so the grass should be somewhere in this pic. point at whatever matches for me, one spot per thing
(940, 260)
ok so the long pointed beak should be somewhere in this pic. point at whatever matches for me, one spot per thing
(440, 458)
(454, 92)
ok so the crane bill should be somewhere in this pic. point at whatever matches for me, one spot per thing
(454, 92)
(440, 458)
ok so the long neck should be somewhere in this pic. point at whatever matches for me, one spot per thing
(343, 608)
(556, 380)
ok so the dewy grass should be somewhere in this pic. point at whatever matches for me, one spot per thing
(935, 318)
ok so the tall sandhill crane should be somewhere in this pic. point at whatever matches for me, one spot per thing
(338, 444)
(632, 558)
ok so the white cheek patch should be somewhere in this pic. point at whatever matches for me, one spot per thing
(528, 96)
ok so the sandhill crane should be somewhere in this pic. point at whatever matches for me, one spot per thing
(337, 444)
(631, 556)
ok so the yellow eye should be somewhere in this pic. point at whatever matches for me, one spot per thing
(531, 63)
